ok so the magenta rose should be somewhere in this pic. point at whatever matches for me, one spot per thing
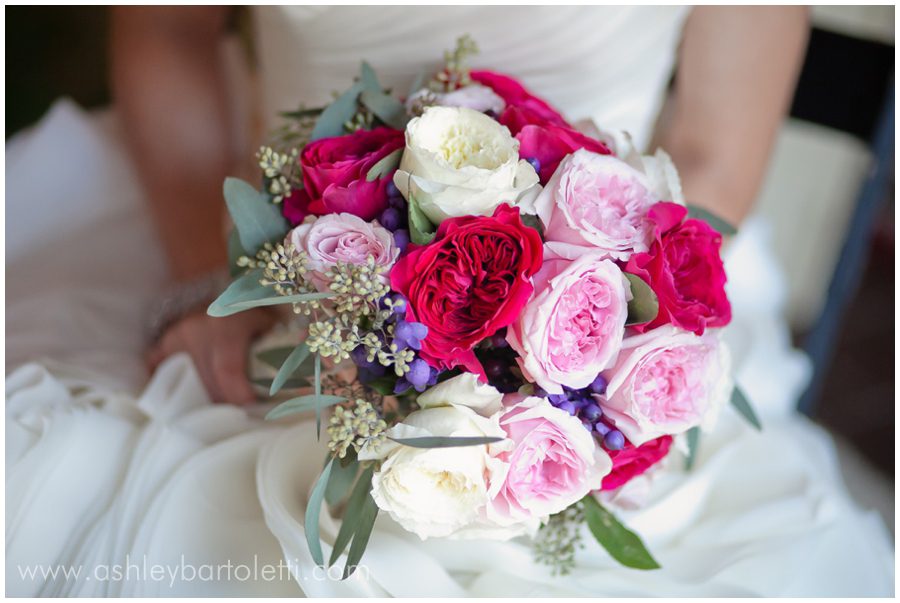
(334, 175)
(573, 326)
(470, 281)
(549, 462)
(632, 461)
(546, 142)
(684, 269)
(515, 94)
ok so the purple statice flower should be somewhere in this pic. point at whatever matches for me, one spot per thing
(420, 377)
(409, 334)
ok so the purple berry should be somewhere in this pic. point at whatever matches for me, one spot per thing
(498, 340)
(601, 428)
(391, 189)
(568, 407)
(535, 163)
(390, 219)
(401, 239)
(494, 368)
(591, 412)
(598, 386)
(557, 399)
(614, 440)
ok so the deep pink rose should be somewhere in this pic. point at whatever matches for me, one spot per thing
(470, 281)
(684, 269)
(516, 95)
(632, 461)
(547, 142)
(334, 175)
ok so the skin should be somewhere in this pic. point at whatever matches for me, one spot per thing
(737, 68)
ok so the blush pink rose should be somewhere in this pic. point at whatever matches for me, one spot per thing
(685, 270)
(334, 175)
(666, 381)
(549, 461)
(596, 202)
(632, 461)
(573, 326)
(346, 238)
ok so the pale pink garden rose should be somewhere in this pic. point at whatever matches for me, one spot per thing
(549, 462)
(596, 202)
(343, 237)
(573, 326)
(667, 381)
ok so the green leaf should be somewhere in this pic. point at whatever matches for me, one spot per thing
(385, 107)
(313, 509)
(693, 444)
(644, 305)
(342, 478)
(301, 113)
(275, 357)
(743, 406)
(244, 289)
(351, 519)
(291, 364)
(331, 122)
(257, 220)
(367, 77)
(292, 383)
(712, 219)
(235, 250)
(445, 442)
(367, 516)
(385, 165)
(421, 230)
(383, 385)
(621, 543)
(303, 404)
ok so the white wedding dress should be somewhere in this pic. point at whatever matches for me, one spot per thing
(105, 471)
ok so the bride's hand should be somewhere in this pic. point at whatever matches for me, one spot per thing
(219, 349)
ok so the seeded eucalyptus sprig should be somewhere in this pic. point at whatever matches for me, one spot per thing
(558, 540)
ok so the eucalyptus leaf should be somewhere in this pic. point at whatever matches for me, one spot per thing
(331, 122)
(367, 517)
(351, 519)
(257, 220)
(342, 478)
(275, 357)
(303, 404)
(235, 250)
(317, 384)
(385, 107)
(445, 442)
(275, 300)
(385, 165)
(292, 383)
(421, 230)
(368, 78)
(621, 543)
(644, 305)
(291, 364)
(743, 406)
(693, 444)
(244, 289)
(418, 83)
(311, 520)
(718, 224)
(301, 113)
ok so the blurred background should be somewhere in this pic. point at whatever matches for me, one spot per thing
(831, 178)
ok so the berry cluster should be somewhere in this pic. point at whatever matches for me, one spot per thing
(584, 404)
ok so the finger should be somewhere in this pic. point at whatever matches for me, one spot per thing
(229, 365)
(154, 357)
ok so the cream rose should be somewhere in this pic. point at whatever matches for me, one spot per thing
(460, 162)
(437, 492)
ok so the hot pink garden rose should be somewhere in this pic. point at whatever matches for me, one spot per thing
(685, 270)
(516, 95)
(334, 175)
(596, 202)
(549, 461)
(666, 381)
(343, 237)
(633, 461)
(573, 326)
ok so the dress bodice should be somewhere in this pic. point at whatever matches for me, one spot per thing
(612, 64)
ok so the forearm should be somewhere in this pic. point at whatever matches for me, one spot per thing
(735, 81)
(169, 89)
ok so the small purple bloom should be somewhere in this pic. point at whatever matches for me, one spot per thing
(399, 306)
(409, 334)
(419, 374)
(401, 239)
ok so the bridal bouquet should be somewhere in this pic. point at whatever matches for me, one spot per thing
(506, 320)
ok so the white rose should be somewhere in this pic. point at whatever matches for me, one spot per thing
(460, 162)
(436, 492)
